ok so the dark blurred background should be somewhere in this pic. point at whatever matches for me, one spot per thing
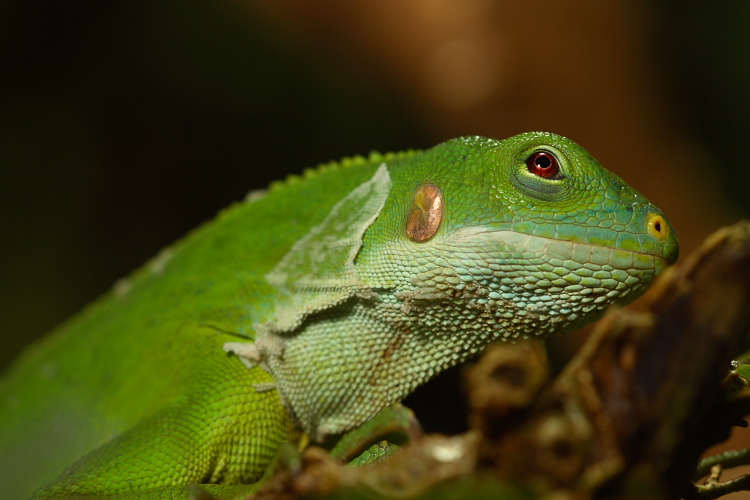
(125, 124)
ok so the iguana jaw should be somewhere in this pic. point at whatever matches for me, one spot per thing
(511, 270)
(565, 249)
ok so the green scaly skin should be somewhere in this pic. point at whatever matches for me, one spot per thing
(310, 309)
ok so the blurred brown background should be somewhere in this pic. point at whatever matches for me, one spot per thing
(125, 124)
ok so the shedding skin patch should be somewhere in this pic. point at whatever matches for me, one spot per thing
(159, 264)
(255, 195)
(426, 213)
(247, 352)
(122, 288)
(318, 272)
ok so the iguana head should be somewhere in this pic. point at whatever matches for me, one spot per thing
(442, 252)
(531, 233)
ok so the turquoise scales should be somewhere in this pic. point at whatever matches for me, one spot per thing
(341, 291)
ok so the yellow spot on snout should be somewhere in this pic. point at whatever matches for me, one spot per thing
(657, 226)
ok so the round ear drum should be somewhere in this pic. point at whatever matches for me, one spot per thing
(426, 213)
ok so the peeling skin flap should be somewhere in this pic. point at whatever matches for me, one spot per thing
(318, 272)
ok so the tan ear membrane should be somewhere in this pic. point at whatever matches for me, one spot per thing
(425, 214)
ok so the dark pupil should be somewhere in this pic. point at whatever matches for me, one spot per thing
(543, 162)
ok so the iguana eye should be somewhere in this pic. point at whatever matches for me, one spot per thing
(544, 164)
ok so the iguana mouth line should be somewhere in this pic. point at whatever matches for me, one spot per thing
(516, 238)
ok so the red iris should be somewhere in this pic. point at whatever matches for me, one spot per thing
(543, 164)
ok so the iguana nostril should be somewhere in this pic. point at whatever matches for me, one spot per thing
(657, 226)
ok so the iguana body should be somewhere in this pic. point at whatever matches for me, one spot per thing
(316, 305)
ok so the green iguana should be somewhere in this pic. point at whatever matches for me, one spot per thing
(308, 309)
